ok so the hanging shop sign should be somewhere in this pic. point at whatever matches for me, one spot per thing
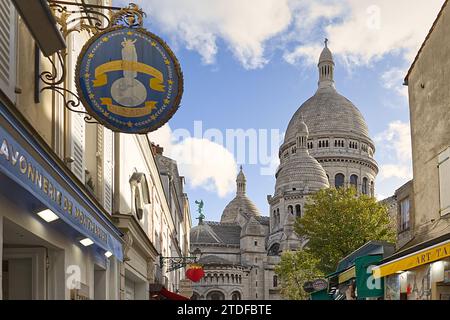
(320, 284)
(195, 272)
(129, 80)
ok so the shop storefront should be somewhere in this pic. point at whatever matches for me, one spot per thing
(353, 279)
(56, 242)
(418, 273)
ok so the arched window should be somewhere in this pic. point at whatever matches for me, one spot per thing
(215, 295)
(195, 296)
(372, 189)
(275, 281)
(354, 181)
(339, 180)
(365, 186)
(236, 295)
(274, 250)
(298, 210)
(290, 209)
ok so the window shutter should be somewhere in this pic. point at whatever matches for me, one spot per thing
(77, 146)
(444, 181)
(8, 49)
(77, 124)
(108, 156)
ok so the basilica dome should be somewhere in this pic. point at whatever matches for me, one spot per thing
(240, 204)
(328, 112)
(338, 138)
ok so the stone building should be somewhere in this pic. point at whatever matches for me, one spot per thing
(85, 216)
(326, 144)
(420, 269)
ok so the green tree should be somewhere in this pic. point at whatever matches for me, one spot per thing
(338, 221)
(294, 269)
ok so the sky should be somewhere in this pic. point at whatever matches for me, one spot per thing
(248, 65)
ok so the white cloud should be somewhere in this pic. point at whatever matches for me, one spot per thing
(360, 31)
(394, 147)
(367, 30)
(393, 79)
(205, 164)
(244, 25)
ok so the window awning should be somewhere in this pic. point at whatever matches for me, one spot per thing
(424, 256)
(158, 291)
(347, 275)
(42, 25)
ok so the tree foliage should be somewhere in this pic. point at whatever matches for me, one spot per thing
(295, 268)
(338, 221)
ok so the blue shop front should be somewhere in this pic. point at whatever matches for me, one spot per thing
(56, 241)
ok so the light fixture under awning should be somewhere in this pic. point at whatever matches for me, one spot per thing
(42, 25)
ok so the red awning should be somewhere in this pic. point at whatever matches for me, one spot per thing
(169, 295)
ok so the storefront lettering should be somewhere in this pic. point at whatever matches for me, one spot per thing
(425, 257)
(44, 184)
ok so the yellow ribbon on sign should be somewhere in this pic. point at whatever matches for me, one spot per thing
(101, 77)
(129, 112)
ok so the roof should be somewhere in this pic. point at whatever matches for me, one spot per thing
(216, 233)
(370, 248)
(425, 41)
(328, 111)
(214, 260)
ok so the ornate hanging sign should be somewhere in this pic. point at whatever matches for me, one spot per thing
(129, 80)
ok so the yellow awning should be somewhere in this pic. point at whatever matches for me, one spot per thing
(425, 256)
(347, 275)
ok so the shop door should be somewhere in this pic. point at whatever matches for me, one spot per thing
(129, 290)
(23, 274)
(17, 282)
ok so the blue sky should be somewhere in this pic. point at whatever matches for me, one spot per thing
(251, 66)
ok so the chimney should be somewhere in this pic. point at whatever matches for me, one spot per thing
(157, 150)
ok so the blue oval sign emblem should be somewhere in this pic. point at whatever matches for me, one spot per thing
(129, 80)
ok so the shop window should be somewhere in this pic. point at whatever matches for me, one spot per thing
(444, 181)
(404, 215)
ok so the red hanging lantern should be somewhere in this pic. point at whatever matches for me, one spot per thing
(195, 272)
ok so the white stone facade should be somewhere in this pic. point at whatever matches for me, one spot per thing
(326, 144)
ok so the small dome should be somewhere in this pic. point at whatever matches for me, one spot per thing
(241, 176)
(301, 172)
(241, 203)
(302, 128)
(326, 56)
